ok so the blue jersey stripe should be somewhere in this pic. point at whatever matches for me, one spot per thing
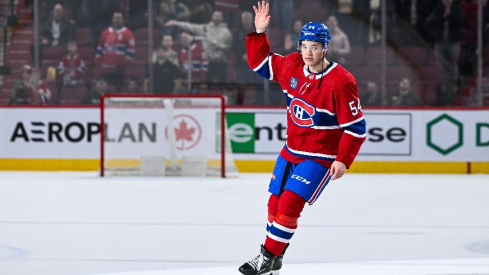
(325, 119)
(359, 128)
(310, 155)
(264, 68)
(264, 71)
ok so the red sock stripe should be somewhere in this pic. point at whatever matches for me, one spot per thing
(289, 222)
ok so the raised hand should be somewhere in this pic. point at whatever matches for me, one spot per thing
(262, 19)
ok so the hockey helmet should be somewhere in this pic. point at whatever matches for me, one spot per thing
(313, 31)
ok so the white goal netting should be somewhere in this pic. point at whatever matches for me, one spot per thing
(151, 135)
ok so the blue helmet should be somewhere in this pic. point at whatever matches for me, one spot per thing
(313, 31)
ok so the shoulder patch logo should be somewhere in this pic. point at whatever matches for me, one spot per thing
(293, 82)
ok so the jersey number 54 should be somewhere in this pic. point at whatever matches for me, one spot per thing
(355, 109)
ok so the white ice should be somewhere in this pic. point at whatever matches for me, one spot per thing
(65, 223)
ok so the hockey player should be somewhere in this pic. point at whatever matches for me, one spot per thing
(325, 129)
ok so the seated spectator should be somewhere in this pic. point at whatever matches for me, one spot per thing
(167, 41)
(115, 51)
(131, 86)
(405, 96)
(198, 57)
(371, 96)
(339, 46)
(24, 90)
(72, 69)
(166, 78)
(217, 42)
(56, 31)
(96, 93)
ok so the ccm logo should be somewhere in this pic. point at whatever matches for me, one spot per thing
(301, 179)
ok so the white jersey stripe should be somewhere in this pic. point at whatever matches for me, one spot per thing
(325, 111)
(283, 228)
(261, 64)
(325, 127)
(351, 122)
(355, 135)
(310, 154)
(270, 68)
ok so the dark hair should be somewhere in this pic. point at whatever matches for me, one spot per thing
(118, 11)
(71, 41)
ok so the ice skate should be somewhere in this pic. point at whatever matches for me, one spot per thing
(277, 264)
(261, 264)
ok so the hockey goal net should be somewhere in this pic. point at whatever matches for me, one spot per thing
(165, 135)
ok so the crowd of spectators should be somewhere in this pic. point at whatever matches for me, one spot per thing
(204, 41)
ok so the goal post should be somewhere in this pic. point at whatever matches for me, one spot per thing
(164, 135)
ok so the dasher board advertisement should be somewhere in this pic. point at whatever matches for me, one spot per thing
(392, 135)
(255, 134)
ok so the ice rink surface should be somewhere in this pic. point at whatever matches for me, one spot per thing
(69, 223)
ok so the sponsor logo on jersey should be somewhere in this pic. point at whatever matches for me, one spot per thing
(302, 113)
(301, 179)
(273, 176)
(293, 82)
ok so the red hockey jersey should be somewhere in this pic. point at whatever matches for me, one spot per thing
(200, 62)
(71, 69)
(323, 124)
(43, 94)
(115, 48)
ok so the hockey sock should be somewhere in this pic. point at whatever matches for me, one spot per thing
(290, 205)
(272, 210)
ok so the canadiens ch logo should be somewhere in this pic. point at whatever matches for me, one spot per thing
(302, 113)
(293, 82)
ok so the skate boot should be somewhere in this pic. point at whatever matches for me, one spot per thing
(261, 264)
(277, 264)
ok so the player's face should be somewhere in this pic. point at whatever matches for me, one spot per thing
(312, 53)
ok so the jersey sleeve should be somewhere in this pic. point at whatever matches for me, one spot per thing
(261, 59)
(351, 120)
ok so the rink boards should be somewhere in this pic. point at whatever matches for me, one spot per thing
(398, 140)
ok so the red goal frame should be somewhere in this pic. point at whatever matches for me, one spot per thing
(223, 117)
